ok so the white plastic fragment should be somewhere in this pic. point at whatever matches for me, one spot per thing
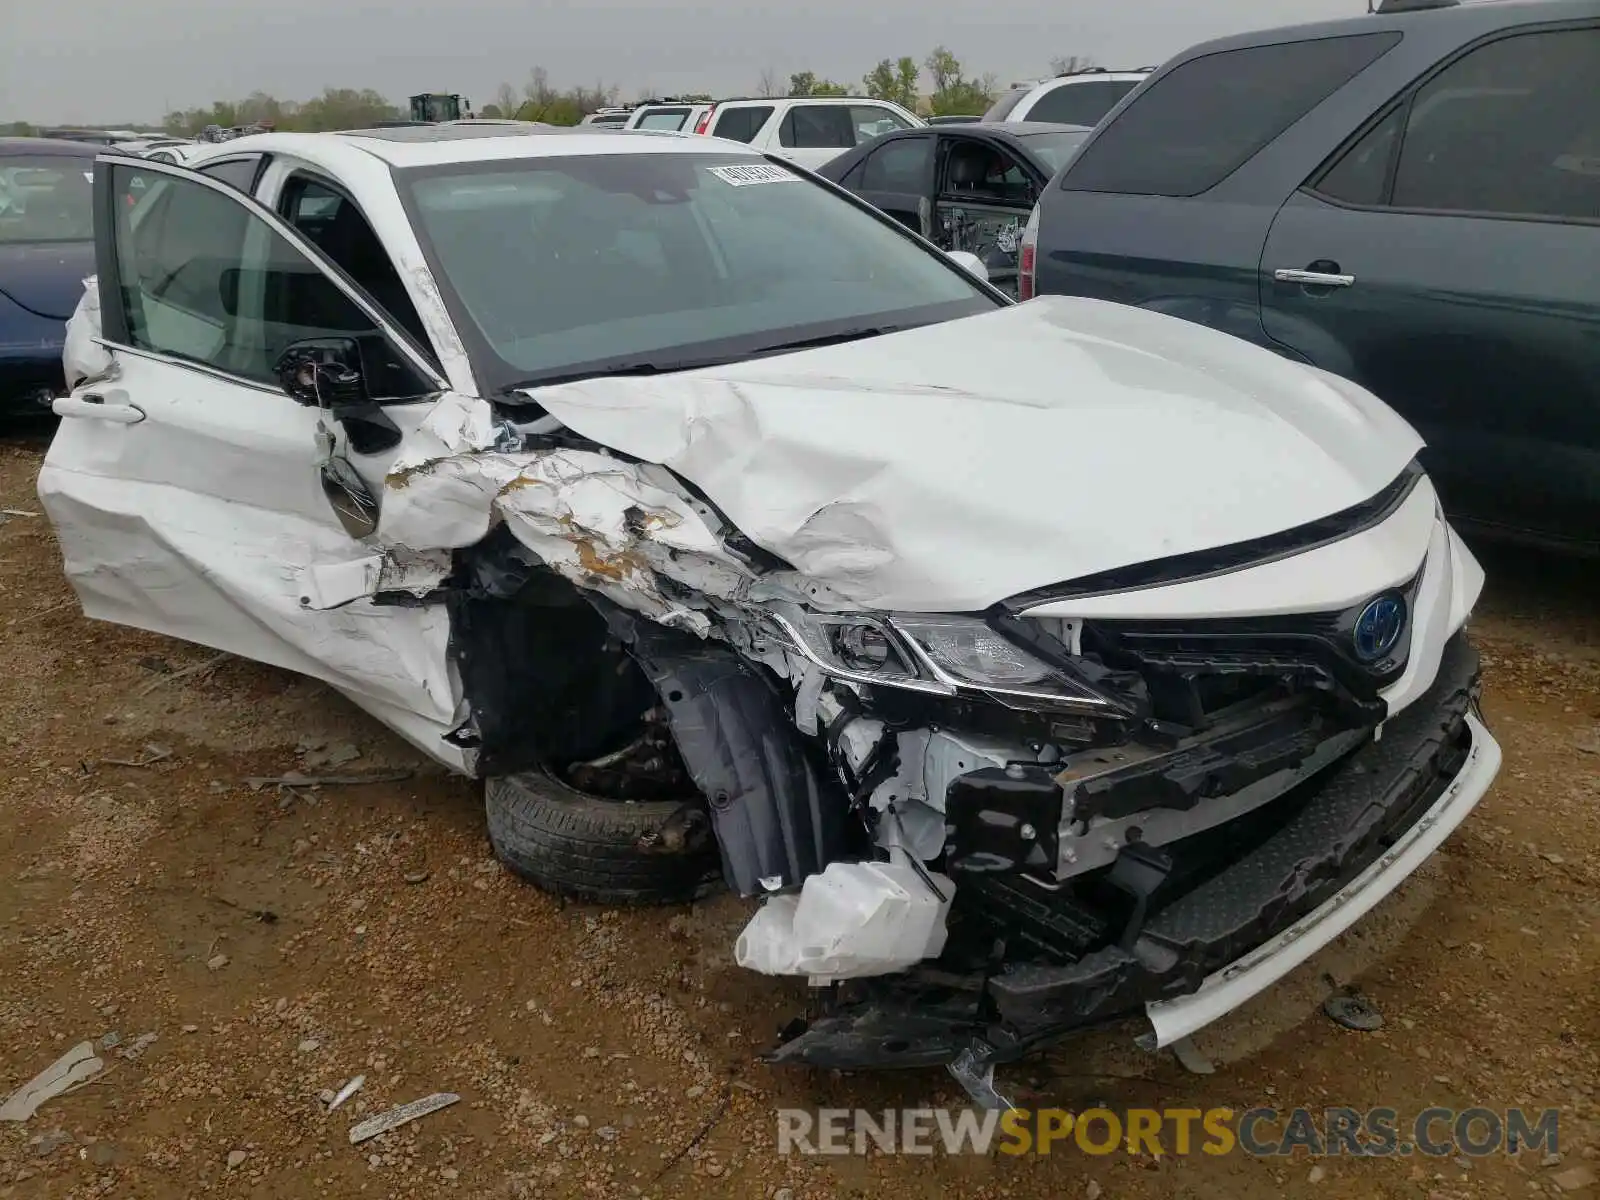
(348, 1090)
(404, 1114)
(71, 1069)
(852, 920)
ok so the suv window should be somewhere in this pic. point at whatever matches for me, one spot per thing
(1204, 119)
(1080, 103)
(1513, 127)
(814, 126)
(1361, 174)
(898, 166)
(742, 124)
(237, 173)
(870, 121)
(1001, 108)
(206, 280)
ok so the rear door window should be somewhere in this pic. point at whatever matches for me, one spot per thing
(238, 173)
(1080, 103)
(1511, 128)
(819, 127)
(1207, 117)
(903, 165)
(871, 120)
(741, 124)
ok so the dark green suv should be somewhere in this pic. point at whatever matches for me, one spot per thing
(1409, 199)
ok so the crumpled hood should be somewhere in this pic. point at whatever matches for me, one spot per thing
(949, 467)
(47, 278)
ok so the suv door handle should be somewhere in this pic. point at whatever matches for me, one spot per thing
(1313, 278)
(108, 406)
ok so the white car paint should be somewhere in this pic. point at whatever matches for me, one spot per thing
(960, 483)
(771, 137)
(935, 470)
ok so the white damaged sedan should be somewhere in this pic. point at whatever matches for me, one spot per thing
(1031, 665)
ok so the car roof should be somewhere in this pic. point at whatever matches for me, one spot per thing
(444, 145)
(10, 146)
(1034, 128)
(1457, 22)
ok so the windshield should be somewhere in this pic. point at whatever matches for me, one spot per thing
(46, 198)
(1053, 149)
(663, 118)
(566, 266)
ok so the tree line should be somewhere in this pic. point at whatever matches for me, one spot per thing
(952, 93)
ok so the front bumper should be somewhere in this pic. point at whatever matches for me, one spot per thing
(1367, 824)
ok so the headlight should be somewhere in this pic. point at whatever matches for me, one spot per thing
(944, 655)
(972, 652)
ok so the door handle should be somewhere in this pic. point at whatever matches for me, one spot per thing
(1313, 278)
(109, 406)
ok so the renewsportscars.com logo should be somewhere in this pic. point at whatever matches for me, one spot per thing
(1373, 1132)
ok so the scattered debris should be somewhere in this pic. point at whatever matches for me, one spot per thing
(236, 1159)
(417, 877)
(348, 1090)
(1190, 1058)
(1354, 1011)
(204, 666)
(140, 1044)
(111, 1041)
(405, 1113)
(216, 962)
(17, 512)
(1573, 1178)
(152, 755)
(72, 1068)
(336, 755)
(309, 1046)
(46, 1144)
(296, 779)
(1316, 1175)
(1092, 1190)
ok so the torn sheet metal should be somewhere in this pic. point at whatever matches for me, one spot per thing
(949, 467)
(330, 585)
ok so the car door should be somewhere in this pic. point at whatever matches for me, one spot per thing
(1446, 259)
(897, 179)
(184, 485)
(984, 194)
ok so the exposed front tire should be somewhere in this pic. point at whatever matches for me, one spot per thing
(585, 847)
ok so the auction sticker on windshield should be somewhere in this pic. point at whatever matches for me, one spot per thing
(753, 174)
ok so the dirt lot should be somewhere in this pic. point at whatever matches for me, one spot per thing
(276, 944)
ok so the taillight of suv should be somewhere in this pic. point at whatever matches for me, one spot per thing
(704, 123)
(1026, 265)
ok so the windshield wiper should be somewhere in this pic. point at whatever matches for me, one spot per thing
(640, 367)
(668, 366)
(828, 339)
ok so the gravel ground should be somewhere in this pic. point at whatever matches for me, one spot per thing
(243, 950)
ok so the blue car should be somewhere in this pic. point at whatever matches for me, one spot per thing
(46, 251)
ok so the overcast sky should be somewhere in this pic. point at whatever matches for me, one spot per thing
(133, 60)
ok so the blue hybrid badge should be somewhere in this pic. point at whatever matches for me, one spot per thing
(1378, 628)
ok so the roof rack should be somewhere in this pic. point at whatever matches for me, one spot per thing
(1114, 70)
(1386, 7)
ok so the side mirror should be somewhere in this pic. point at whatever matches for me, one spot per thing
(320, 373)
(970, 263)
(352, 502)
